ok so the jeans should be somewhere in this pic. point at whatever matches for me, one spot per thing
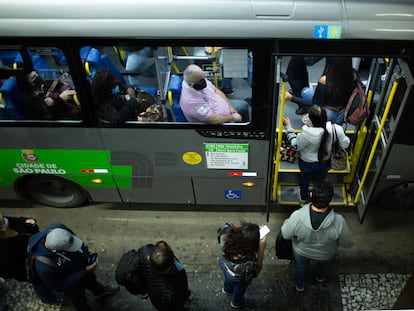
(235, 285)
(75, 293)
(301, 265)
(242, 108)
(311, 171)
(336, 117)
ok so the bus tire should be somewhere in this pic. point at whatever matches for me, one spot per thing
(52, 191)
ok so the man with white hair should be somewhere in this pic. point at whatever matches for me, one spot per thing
(201, 101)
(68, 269)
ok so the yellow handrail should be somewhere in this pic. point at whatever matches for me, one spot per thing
(377, 139)
(279, 140)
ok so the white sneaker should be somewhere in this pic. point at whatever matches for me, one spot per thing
(301, 202)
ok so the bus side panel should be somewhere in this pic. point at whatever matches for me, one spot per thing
(230, 191)
(178, 166)
(75, 154)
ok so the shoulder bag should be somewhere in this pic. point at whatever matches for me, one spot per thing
(338, 154)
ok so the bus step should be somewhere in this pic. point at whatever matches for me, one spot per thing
(287, 194)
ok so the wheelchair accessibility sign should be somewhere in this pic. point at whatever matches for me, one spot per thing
(232, 194)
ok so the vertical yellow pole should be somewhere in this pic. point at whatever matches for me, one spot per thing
(279, 131)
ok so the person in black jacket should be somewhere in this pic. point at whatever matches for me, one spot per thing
(115, 103)
(14, 237)
(164, 276)
(70, 270)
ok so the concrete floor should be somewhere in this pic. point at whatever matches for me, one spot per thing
(368, 276)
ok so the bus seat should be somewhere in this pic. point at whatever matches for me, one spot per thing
(94, 60)
(107, 63)
(149, 89)
(9, 92)
(174, 92)
(7, 57)
(39, 64)
(91, 59)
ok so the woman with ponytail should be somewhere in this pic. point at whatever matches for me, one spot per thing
(314, 144)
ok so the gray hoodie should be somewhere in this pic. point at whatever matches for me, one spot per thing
(320, 244)
(309, 140)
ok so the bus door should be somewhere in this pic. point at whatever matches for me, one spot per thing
(387, 152)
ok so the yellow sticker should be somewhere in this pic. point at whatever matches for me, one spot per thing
(192, 158)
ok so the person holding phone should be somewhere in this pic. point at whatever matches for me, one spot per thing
(73, 271)
(241, 260)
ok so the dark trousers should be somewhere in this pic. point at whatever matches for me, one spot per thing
(75, 293)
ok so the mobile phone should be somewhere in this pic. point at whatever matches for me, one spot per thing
(264, 231)
(92, 258)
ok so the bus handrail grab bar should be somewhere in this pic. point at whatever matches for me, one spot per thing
(377, 139)
(279, 136)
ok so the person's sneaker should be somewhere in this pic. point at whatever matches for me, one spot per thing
(245, 306)
(228, 92)
(108, 290)
(226, 293)
(300, 289)
(301, 202)
(320, 280)
(300, 111)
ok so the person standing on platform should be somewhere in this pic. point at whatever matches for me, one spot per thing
(316, 231)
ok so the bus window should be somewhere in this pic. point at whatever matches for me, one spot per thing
(36, 85)
(158, 72)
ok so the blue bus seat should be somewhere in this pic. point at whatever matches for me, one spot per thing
(39, 64)
(9, 93)
(174, 92)
(7, 57)
(94, 60)
(149, 89)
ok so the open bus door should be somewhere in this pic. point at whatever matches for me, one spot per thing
(384, 162)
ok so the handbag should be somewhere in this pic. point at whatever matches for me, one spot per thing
(283, 247)
(286, 152)
(338, 154)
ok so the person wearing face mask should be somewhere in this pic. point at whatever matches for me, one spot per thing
(115, 103)
(32, 101)
(201, 101)
(14, 238)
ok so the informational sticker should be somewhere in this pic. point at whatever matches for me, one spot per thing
(192, 158)
(227, 156)
(327, 32)
(233, 194)
(235, 63)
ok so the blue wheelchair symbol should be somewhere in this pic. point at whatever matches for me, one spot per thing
(232, 194)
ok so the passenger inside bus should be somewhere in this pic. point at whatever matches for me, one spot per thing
(201, 101)
(115, 103)
(37, 101)
(333, 90)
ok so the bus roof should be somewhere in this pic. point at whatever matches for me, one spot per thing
(362, 19)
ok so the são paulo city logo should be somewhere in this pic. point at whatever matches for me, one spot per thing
(32, 165)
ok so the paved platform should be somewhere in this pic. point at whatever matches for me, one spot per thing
(370, 276)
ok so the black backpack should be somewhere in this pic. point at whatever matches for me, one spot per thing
(127, 273)
(32, 276)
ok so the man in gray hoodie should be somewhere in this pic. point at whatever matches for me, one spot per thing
(316, 232)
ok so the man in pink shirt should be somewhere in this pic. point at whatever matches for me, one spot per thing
(201, 101)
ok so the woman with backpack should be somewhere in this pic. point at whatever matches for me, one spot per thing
(241, 260)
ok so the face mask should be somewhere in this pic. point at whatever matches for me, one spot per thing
(200, 85)
(115, 90)
(5, 224)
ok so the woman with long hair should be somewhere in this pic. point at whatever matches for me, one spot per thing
(314, 145)
(241, 260)
(115, 103)
(335, 87)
